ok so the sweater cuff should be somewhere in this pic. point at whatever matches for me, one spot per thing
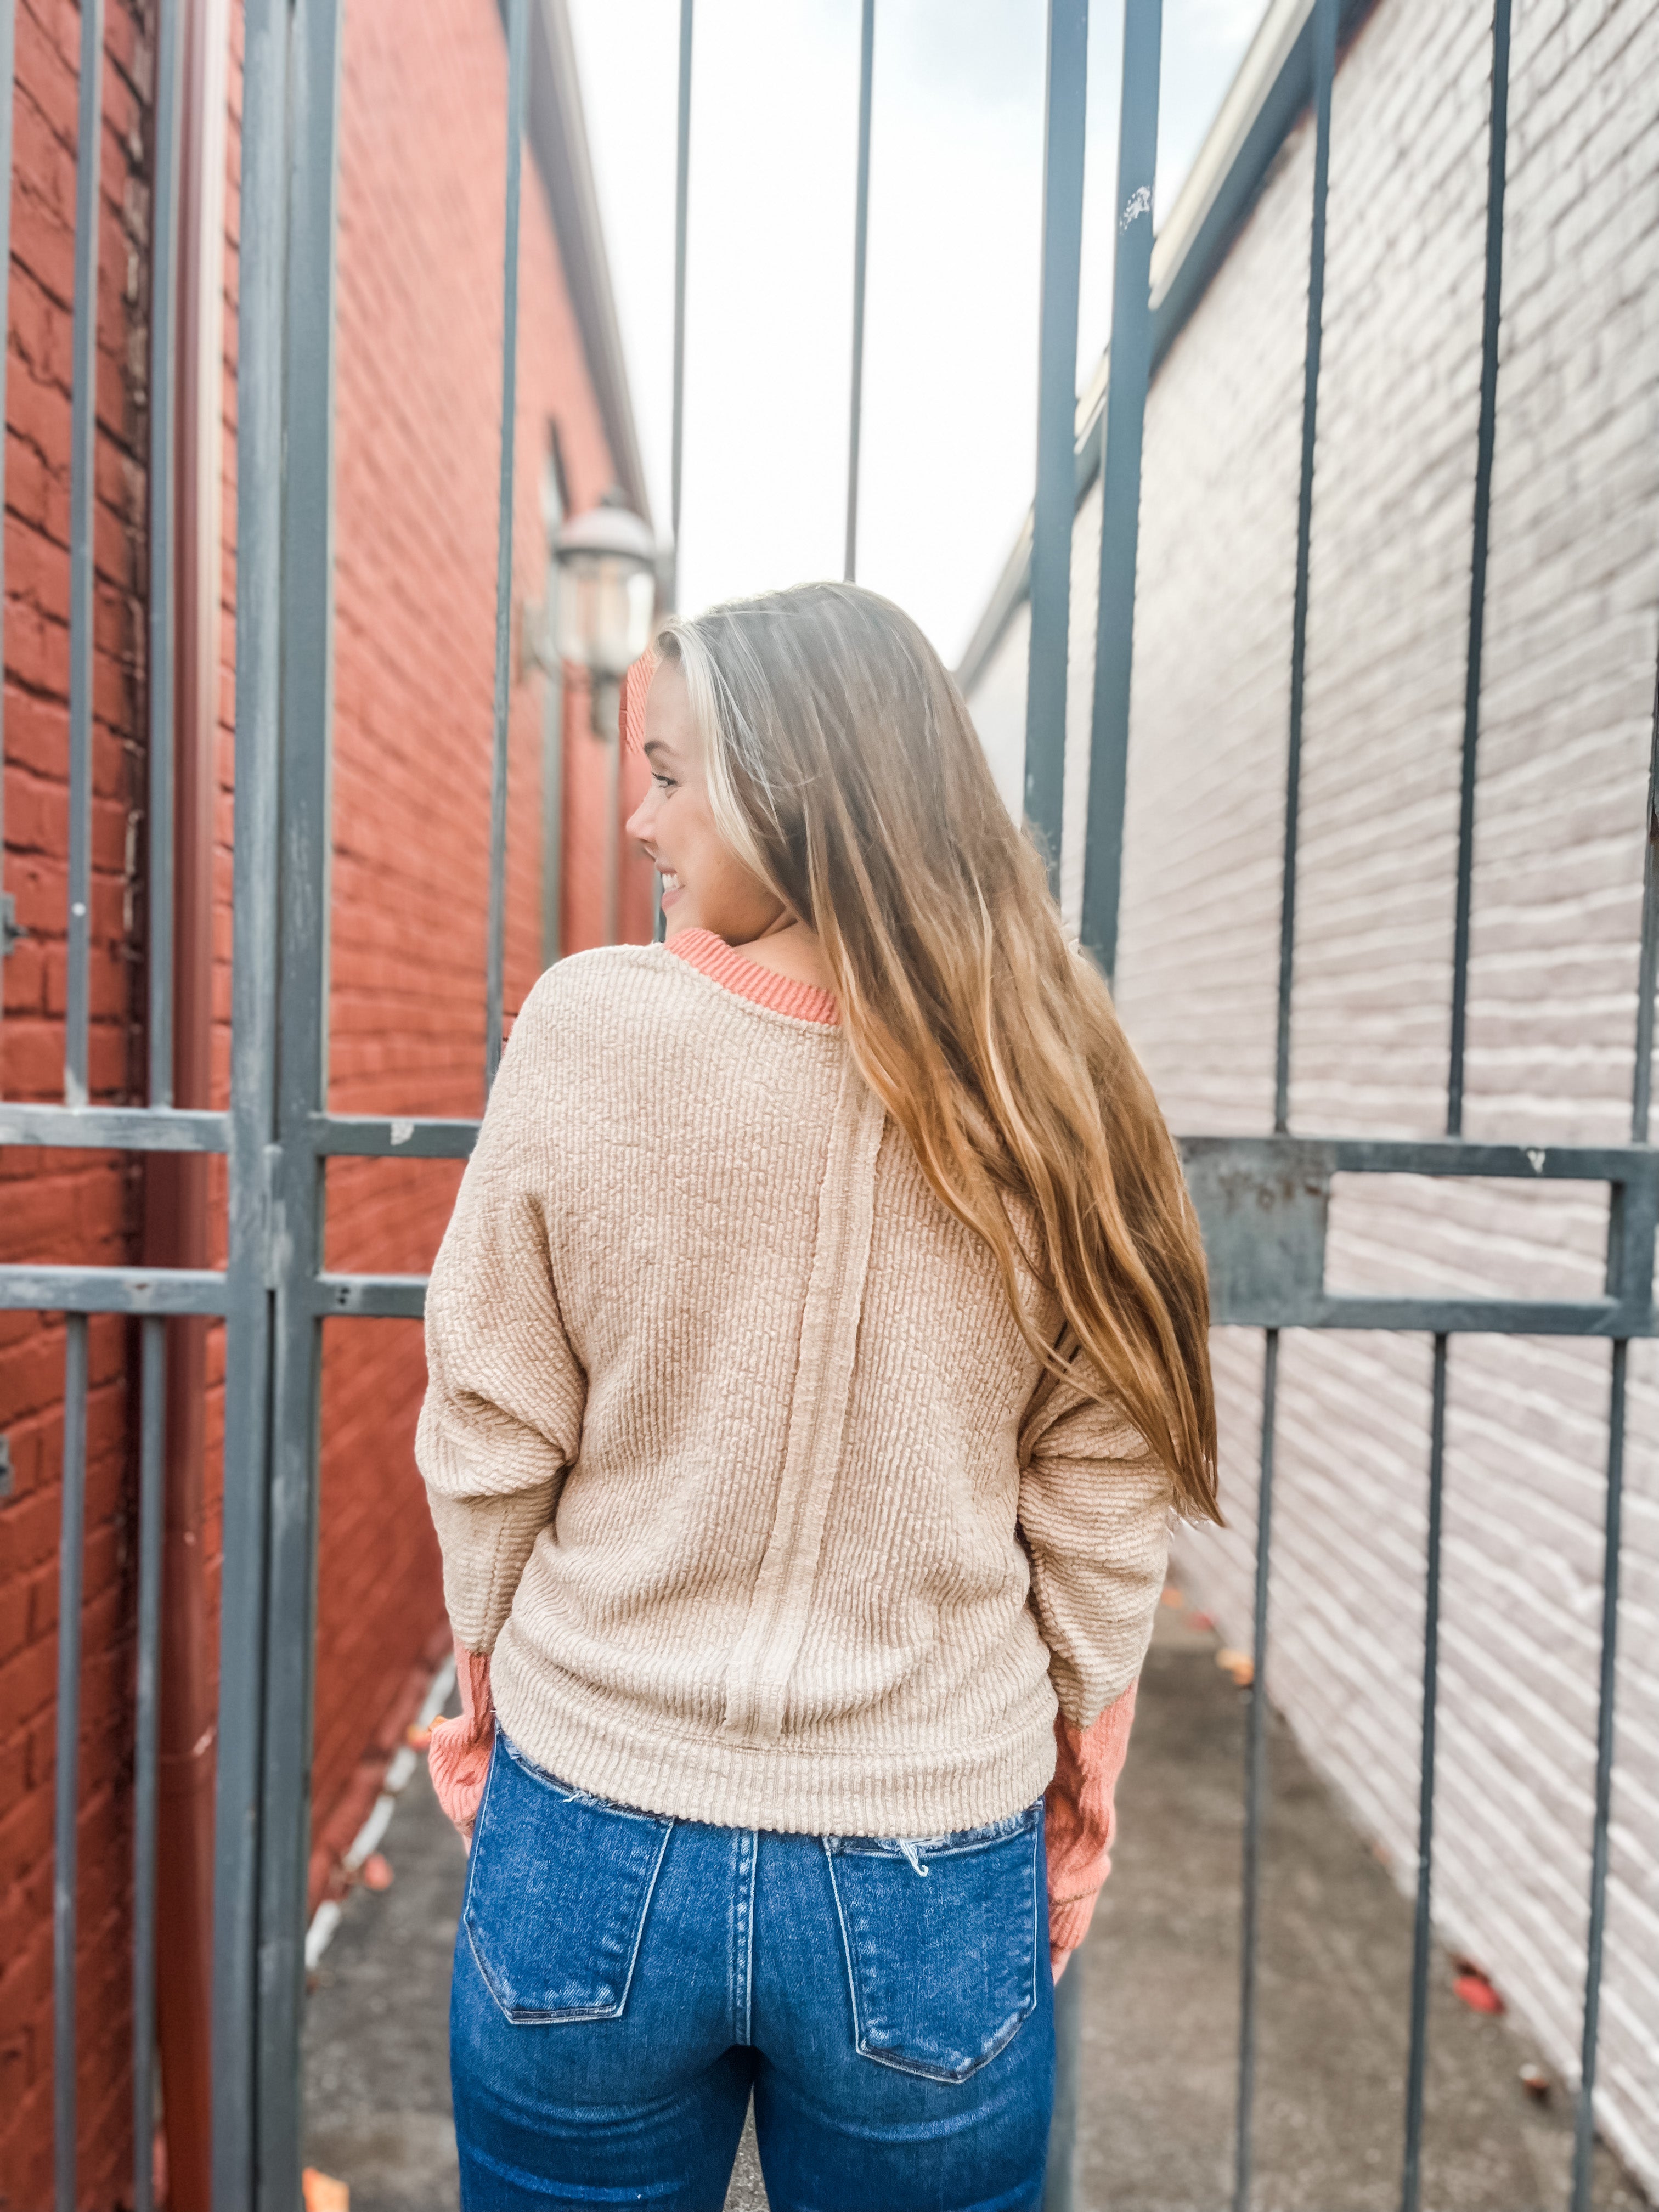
(459, 1750)
(1081, 1816)
(1068, 1923)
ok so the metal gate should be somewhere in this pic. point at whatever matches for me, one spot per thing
(1264, 1201)
(277, 1135)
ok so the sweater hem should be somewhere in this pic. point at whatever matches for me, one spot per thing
(905, 1790)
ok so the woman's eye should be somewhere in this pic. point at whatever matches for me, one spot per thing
(662, 782)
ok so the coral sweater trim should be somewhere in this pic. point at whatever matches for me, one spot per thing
(714, 957)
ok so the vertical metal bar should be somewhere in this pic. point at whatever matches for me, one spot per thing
(163, 386)
(1119, 527)
(518, 20)
(152, 1448)
(1583, 2149)
(1055, 507)
(308, 694)
(1059, 2182)
(613, 746)
(1128, 364)
(1647, 978)
(83, 434)
(1256, 1788)
(1411, 2186)
(1583, 2139)
(682, 202)
(1486, 439)
(552, 668)
(262, 258)
(71, 1551)
(861, 244)
(8, 73)
(1324, 73)
(552, 808)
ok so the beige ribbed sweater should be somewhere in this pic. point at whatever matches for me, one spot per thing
(739, 1464)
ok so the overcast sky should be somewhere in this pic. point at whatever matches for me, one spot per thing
(950, 381)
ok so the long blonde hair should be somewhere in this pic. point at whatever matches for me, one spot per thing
(842, 767)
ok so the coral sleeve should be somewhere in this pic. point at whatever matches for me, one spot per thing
(458, 1750)
(1081, 1820)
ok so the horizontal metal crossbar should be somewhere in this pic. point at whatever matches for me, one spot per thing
(111, 1289)
(373, 1136)
(1264, 1204)
(175, 1129)
(114, 1128)
(1477, 1316)
(381, 1297)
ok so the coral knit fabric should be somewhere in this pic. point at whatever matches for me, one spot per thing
(755, 1508)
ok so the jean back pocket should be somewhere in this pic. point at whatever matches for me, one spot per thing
(556, 1895)
(941, 1943)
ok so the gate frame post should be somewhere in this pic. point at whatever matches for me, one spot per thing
(285, 696)
(296, 1197)
(262, 249)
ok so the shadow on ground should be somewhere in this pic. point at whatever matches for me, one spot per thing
(1160, 2008)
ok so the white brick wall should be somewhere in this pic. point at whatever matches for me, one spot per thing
(1566, 718)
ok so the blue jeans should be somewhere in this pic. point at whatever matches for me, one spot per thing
(623, 1982)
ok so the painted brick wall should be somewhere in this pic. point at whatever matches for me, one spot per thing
(1566, 719)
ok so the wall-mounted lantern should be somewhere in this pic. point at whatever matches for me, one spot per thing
(607, 599)
(603, 598)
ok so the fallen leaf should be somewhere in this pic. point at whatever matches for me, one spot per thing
(1477, 1992)
(1238, 1664)
(1200, 1621)
(1171, 1597)
(377, 1871)
(322, 2193)
(1535, 2081)
(417, 1738)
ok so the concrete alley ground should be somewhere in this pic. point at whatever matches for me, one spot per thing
(1160, 2007)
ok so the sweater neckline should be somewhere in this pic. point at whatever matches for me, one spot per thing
(714, 957)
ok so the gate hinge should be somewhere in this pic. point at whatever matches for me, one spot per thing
(12, 933)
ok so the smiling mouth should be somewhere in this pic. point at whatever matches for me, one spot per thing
(672, 885)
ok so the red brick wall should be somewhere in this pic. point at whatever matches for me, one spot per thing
(421, 200)
(422, 166)
(67, 1205)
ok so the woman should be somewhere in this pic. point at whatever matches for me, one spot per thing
(815, 1353)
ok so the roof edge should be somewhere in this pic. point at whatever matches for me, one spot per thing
(1273, 87)
(557, 132)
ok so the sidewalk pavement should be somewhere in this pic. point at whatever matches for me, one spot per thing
(1159, 2007)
